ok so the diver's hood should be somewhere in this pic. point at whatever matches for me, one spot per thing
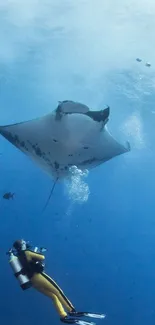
(20, 245)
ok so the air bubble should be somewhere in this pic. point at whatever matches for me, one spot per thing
(77, 188)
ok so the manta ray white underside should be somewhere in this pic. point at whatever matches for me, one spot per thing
(71, 135)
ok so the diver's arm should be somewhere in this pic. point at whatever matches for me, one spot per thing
(34, 256)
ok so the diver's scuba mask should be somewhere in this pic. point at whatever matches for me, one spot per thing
(24, 245)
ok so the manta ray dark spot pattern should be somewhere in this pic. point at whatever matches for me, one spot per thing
(11, 138)
(16, 138)
(46, 159)
(56, 164)
(36, 149)
(89, 161)
(22, 144)
(38, 152)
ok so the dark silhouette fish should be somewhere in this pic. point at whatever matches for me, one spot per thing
(8, 196)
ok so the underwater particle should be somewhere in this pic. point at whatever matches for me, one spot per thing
(148, 64)
(139, 60)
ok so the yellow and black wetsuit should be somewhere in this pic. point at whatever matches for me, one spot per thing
(43, 283)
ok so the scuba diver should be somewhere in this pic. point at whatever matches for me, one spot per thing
(28, 267)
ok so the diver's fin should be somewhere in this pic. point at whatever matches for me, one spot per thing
(68, 320)
(87, 314)
(53, 187)
(83, 322)
(100, 116)
(101, 316)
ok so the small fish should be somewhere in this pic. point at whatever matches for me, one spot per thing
(8, 196)
(139, 60)
(148, 64)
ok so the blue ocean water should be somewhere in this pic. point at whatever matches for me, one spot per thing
(101, 251)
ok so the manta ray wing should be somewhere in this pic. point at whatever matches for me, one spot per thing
(35, 140)
(104, 149)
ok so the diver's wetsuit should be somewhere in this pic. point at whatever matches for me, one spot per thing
(43, 283)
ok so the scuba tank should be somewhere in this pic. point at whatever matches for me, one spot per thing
(18, 271)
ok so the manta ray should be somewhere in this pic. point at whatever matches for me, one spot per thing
(71, 135)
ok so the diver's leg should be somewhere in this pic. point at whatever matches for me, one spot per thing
(59, 293)
(41, 284)
(58, 306)
(44, 284)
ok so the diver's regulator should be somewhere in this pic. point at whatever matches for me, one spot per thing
(18, 269)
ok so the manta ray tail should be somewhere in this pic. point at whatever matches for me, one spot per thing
(53, 187)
